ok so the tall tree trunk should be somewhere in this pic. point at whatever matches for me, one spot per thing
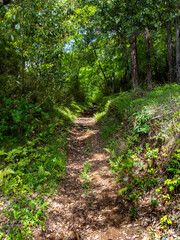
(22, 54)
(170, 54)
(148, 60)
(177, 51)
(135, 76)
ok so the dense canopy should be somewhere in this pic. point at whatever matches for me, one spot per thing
(83, 49)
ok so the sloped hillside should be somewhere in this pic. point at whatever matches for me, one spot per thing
(142, 134)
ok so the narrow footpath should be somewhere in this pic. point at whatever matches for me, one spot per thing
(94, 212)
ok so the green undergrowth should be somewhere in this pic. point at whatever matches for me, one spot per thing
(33, 151)
(76, 109)
(85, 175)
(141, 131)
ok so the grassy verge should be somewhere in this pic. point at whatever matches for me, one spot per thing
(142, 133)
(33, 159)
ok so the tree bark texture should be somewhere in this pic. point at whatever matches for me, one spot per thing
(170, 54)
(135, 76)
(177, 51)
(148, 60)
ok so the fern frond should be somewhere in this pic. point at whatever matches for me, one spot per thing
(3, 173)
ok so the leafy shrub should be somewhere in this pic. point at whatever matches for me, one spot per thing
(17, 116)
(173, 166)
(38, 164)
(173, 171)
(4, 173)
(23, 213)
(85, 175)
(141, 121)
(166, 221)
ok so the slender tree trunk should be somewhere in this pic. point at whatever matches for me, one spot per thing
(71, 60)
(170, 54)
(148, 60)
(22, 54)
(177, 51)
(22, 66)
(135, 76)
(23, 73)
(127, 59)
(102, 70)
(113, 83)
(106, 79)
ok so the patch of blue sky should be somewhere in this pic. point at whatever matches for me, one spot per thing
(69, 46)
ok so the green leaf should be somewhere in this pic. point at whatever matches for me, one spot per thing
(2, 153)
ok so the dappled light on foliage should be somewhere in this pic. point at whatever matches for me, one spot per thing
(89, 119)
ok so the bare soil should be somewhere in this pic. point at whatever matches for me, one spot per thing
(93, 213)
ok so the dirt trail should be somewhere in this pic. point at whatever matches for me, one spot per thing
(95, 213)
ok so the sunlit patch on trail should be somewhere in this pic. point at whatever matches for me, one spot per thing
(86, 205)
